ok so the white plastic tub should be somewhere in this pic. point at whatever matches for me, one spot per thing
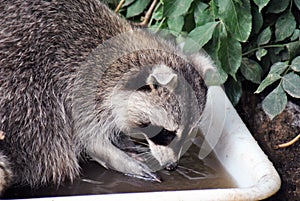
(236, 149)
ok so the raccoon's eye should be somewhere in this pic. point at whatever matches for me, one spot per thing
(164, 137)
(143, 125)
(157, 134)
(147, 88)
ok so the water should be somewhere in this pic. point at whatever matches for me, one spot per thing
(192, 173)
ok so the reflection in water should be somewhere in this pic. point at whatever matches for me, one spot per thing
(192, 173)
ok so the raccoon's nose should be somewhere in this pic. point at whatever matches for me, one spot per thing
(171, 166)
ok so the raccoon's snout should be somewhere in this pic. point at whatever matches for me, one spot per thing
(171, 166)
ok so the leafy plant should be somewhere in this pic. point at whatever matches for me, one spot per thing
(248, 39)
(289, 83)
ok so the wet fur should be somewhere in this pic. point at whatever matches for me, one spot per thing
(44, 76)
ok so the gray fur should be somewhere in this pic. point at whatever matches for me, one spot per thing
(65, 73)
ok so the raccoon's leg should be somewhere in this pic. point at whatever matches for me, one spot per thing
(5, 172)
(111, 157)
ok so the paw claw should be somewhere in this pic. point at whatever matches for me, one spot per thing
(152, 176)
(149, 176)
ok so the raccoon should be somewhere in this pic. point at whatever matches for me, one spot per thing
(78, 80)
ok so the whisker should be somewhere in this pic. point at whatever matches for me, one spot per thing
(139, 142)
(132, 147)
(147, 156)
(142, 153)
(137, 148)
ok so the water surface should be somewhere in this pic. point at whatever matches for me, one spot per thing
(192, 173)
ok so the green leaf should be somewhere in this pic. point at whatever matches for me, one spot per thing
(264, 37)
(260, 53)
(278, 68)
(214, 8)
(233, 90)
(251, 70)
(237, 17)
(128, 2)
(276, 6)
(205, 17)
(158, 12)
(295, 35)
(175, 24)
(285, 26)
(296, 64)
(159, 26)
(270, 79)
(261, 3)
(257, 20)
(137, 8)
(200, 7)
(291, 84)
(275, 102)
(173, 8)
(297, 2)
(213, 48)
(230, 55)
(293, 48)
(199, 36)
(203, 13)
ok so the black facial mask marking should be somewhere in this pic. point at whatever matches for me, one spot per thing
(158, 135)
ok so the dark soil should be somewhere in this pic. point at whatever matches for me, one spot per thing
(270, 133)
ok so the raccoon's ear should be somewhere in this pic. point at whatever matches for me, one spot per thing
(163, 76)
(206, 68)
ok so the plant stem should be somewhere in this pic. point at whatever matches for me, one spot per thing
(149, 14)
(289, 143)
(119, 6)
(266, 46)
(291, 4)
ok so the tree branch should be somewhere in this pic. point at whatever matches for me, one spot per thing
(148, 14)
(119, 6)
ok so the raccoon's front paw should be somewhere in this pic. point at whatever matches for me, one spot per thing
(134, 167)
(118, 160)
(143, 172)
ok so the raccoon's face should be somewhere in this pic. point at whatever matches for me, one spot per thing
(154, 113)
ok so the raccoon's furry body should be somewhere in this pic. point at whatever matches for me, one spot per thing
(55, 103)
